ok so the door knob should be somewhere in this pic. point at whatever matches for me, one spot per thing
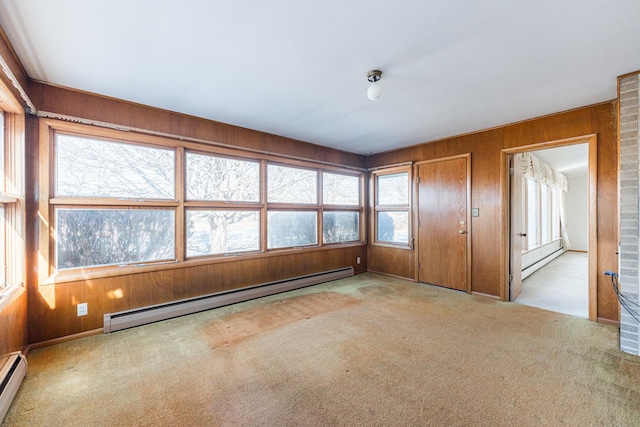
(522, 234)
(462, 232)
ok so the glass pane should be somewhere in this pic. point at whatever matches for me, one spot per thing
(94, 168)
(545, 211)
(340, 189)
(555, 213)
(340, 227)
(219, 178)
(393, 227)
(92, 237)
(532, 213)
(289, 228)
(393, 189)
(292, 185)
(222, 231)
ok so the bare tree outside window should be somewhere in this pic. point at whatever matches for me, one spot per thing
(101, 169)
(292, 185)
(222, 231)
(92, 237)
(96, 168)
(340, 227)
(292, 228)
(340, 189)
(221, 179)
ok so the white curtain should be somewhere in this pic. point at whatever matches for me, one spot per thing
(536, 169)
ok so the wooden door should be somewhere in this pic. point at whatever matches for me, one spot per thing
(443, 223)
(517, 228)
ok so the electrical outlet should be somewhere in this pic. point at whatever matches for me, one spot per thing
(83, 309)
(358, 260)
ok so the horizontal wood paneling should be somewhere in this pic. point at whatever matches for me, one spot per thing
(485, 148)
(67, 102)
(110, 294)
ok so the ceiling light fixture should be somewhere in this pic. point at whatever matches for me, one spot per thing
(374, 91)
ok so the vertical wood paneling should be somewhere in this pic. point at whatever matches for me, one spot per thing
(604, 121)
(88, 106)
(485, 147)
(13, 324)
(112, 294)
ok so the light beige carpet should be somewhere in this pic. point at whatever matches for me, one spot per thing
(363, 351)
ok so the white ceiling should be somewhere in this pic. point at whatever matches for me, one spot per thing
(298, 68)
(571, 160)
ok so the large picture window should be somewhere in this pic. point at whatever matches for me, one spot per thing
(140, 199)
(96, 168)
(94, 237)
(392, 206)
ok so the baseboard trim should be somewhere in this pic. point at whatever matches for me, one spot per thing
(64, 339)
(480, 294)
(608, 321)
(395, 276)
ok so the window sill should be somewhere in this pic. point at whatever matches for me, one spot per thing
(79, 274)
(9, 295)
(393, 245)
(533, 248)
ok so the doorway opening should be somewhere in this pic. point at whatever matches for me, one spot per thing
(550, 197)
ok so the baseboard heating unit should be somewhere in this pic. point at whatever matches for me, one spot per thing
(11, 376)
(154, 313)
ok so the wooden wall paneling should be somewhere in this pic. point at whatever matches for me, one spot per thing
(140, 294)
(74, 296)
(155, 288)
(549, 128)
(15, 66)
(13, 324)
(604, 117)
(395, 262)
(67, 102)
(94, 294)
(55, 320)
(164, 287)
(181, 287)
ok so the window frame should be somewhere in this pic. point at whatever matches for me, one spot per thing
(376, 208)
(47, 202)
(13, 256)
(553, 215)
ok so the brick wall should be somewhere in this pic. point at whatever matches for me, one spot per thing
(629, 209)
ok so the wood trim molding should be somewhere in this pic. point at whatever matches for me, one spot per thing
(592, 140)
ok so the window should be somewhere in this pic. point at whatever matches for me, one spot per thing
(532, 213)
(222, 231)
(222, 179)
(91, 176)
(12, 254)
(555, 213)
(93, 237)
(213, 183)
(341, 198)
(121, 199)
(97, 168)
(543, 213)
(292, 185)
(392, 206)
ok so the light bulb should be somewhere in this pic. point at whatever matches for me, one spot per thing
(374, 91)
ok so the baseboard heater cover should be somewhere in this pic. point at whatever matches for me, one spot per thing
(11, 376)
(154, 313)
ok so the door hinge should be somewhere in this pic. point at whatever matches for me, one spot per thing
(418, 179)
(511, 171)
(510, 278)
